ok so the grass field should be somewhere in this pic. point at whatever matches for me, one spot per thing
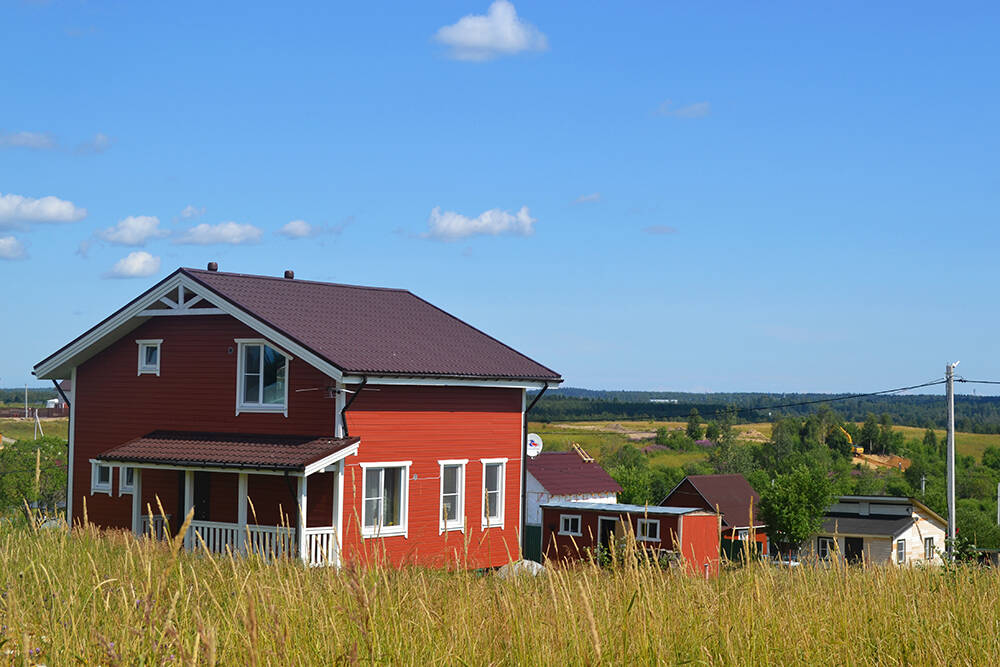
(24, 429)
(91, 598)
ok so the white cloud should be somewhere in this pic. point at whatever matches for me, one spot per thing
(233, 233)
(298, 229)
(448, 226)
(98, 144)
(696, 110)
(138, 264)
(500, 32)
(587, 199)
(11, 248)
(191, 211)
(42, 141)
(134, 230)
(15, 209)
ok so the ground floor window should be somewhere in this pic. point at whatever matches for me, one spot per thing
(569, 524)
(126, 480)
(100, 478)
(928, 548)
(385, 499)
(648, 530)
(824, 547)
(900, 551)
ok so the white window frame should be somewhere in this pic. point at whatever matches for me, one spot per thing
(147, 343)
(402, 530)
(494, 522)
(642, 530)
(824, 547)
(743, 534)
(458, 523)
(929, 548)
(563, 518)
(123, 487)
(242, 405)
(900, 551)
(97, 486)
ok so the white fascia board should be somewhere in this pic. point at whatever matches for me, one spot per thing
(447, 382)
(130, 318)
(339, 455)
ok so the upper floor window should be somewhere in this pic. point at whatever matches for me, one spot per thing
(149, 356)
(262, 374)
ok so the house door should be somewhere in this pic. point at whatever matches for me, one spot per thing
(201, 496)
(605, 531)
(854, 549)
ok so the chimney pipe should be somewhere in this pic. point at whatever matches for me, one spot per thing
(213, 266)
(289, 274)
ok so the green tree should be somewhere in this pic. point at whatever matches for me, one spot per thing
(868, 438)
(636, 483)
(694, 425)
(713, 431)
(793, 506)
(18, 467)
(930, 440)
(991, 457)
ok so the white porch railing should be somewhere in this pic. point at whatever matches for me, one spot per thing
(219, 537)
(321, 546)
(155, 525)
(271, 541)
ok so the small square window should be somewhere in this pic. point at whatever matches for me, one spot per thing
(100, 478)
(648, 530)
(126, 480)
(149, 356)
(569, 524)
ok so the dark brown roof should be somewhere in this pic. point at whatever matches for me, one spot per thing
(566, 474)
(372, 330)
(732, 494)
(227, 450)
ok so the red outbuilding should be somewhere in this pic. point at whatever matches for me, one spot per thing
(737, 502)
(335, 423)
(576, 530)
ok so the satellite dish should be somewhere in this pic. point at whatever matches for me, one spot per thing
(534, 445)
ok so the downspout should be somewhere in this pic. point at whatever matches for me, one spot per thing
(524, 461)
(343, 413)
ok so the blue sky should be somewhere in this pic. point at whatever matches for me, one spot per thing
(790, 197)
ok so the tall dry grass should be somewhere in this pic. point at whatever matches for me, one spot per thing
(105, 598)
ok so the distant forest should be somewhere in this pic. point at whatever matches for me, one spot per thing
(36, 396)
(973, 414)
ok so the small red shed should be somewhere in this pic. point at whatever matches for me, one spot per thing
(573, 530)
(734, 498)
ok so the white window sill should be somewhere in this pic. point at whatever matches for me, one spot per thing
(149, 371)
(493, 523)
(571, 534)
(97, 489)
(394, 531)
(270, 409)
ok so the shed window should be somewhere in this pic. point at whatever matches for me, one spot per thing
(493, 495)
(824, 547)
(100, 478)
(743, 534)
(452, 495)
(149, 356)
(385, 506)
(648, 530)
(929, 548)
(263, 378)
(900, 551)
(569, 524)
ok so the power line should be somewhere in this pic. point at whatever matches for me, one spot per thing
(977, 381)
(846, 397)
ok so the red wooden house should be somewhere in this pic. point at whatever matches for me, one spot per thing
(331, 422)
(734, 498)
(573, 530)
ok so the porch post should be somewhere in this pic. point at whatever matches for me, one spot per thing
(136, 500)
(303, 496)
(188, 503)
(241, 505)
(338, 518)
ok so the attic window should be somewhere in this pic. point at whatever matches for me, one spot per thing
(149, 356)
(262, 378)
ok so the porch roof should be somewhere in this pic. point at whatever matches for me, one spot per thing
(290, 453)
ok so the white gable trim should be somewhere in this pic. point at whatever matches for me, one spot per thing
(136, 311)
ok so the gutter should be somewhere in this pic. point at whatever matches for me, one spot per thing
(524, 462)
(347, 405)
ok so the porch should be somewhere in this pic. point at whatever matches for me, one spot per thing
(248, 495)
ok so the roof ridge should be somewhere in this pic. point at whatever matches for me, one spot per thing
(295, 280)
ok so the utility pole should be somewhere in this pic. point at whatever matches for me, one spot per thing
(25, 401)
(949, 376)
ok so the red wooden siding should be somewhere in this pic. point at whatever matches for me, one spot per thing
(700, 543)
(425, 425)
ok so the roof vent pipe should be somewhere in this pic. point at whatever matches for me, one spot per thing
(289, 274)
(213, 266)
